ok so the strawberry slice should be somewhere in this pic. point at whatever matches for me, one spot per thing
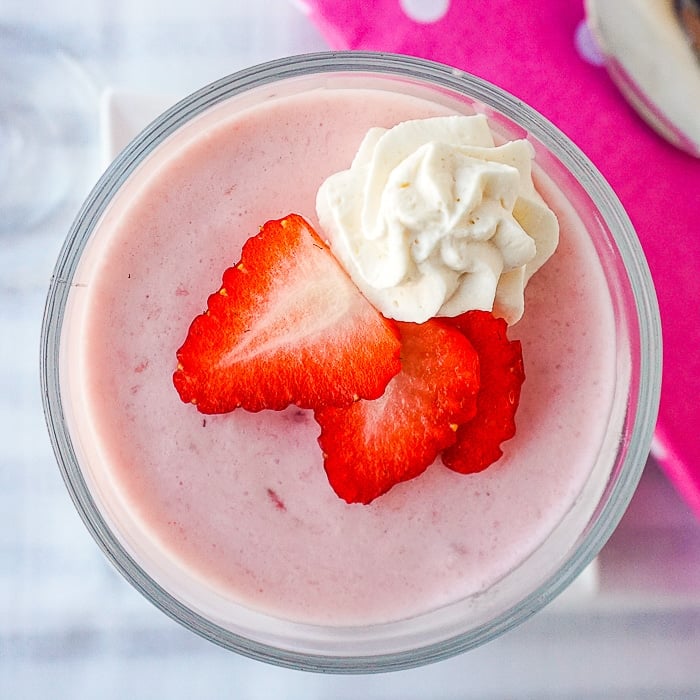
(288, 326)
(502, 374)
(373, 445)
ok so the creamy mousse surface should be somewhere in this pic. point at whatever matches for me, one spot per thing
(238, 505)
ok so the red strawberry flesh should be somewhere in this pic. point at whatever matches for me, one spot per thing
(287, 326)
(502, 374)
(373, 445)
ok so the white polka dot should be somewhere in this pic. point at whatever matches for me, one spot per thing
(587, 46)
(425, 11)
(659, 450)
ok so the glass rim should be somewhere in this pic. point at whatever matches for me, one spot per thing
(432, 74)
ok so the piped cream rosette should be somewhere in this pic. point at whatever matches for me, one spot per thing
(434, 219)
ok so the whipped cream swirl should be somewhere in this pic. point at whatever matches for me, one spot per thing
(434, 219)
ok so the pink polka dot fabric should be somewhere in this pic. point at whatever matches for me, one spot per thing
(536, 50)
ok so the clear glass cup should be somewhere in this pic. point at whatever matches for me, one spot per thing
(48, 105)
(574, 542)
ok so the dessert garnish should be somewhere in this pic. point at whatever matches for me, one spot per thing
(433, 218)
(395, 332)
(478, 441)
(372, 445)
(286, 327)
(289, 327)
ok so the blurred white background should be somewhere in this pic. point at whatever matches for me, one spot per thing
(71, 627)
